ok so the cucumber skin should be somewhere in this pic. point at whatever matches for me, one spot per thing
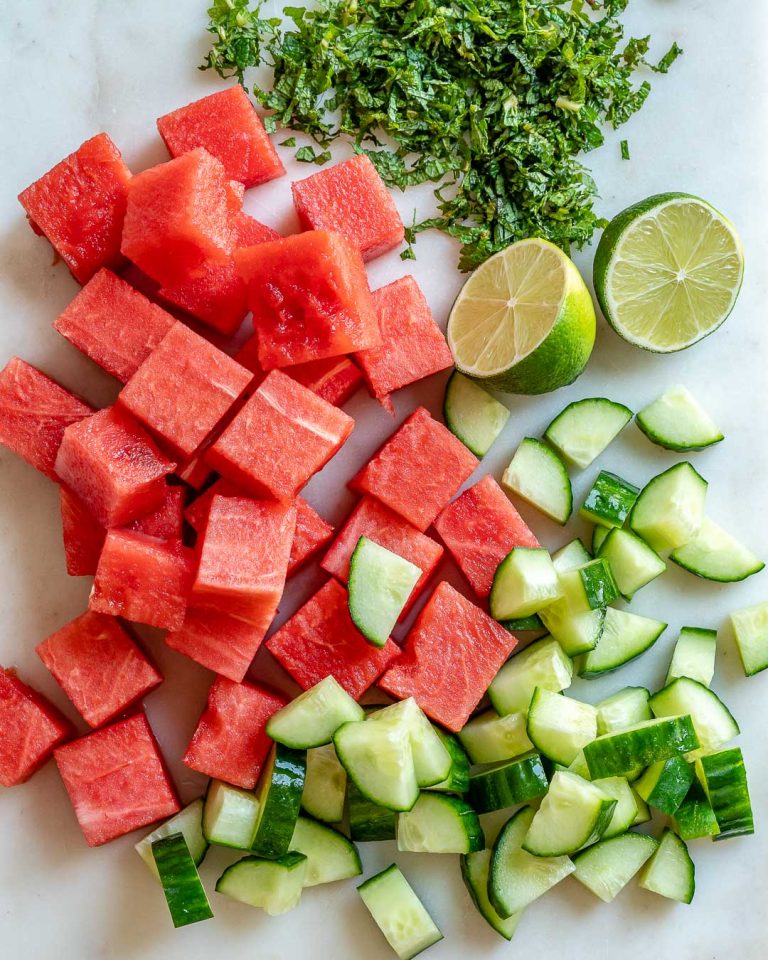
(504, 927)
(726, 785)
(610, 501)
(612, 755)
(523, 623)
(695, 817)
(282, 804)
(507, 784)
(184, 892)
(368, 821)
(457, 780)
(672, 786)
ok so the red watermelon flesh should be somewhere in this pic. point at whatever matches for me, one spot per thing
(480, 528)
(229, 128)
(99, 666)
(418, 470)
(320, 639)
(226, 645)
(196, 472)
(231, 742)
(351, 198)
(83, 535)
(117, 780)
(449, 658)
(312, 534)
(167, 521)
(31, 726)
(34, 413)
(310, 298)
(79, 206)
(113, 324)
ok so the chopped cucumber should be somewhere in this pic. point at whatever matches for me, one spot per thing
(440, 824)
(677, 421)
(380, 583)
(507, 784)
(623, 709)
(475, 869)
(665, 784)
(189, 822)
(538, 475)
(610, 500)
(670, 510)
(379, 760)
(750, 627)
(572, 555)
(368, 821)
(230, 815)
(599, 536)
(273, 885)
(431, 758)
(398, 912)
(314, 716)
(330, 856)
(632, 562)
(608, 866)
(578, 766)
(625, 636)
(489, 738)
(694, 655)
(724, 779)
(695, 817)
(521, 624)
(712, 721)
(279, 792)
(625, 811)
(643, 813)
(542, 664)
(714, 554)
(559, 726)
(615, 754)
(473, 414)
(324, 785)
(525, 581)
(585, 428)
(573, 814)
(576, 632)
(589, 587)
(670, 871)
(183, 889)
(457, 780)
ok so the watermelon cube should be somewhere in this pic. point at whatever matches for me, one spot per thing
(229, 128)
(282, 436)
(113, 324)
(113, 466)
(99, 666)
(418, 470)
(224, 644)
(320, 639)
(166, 522)
(117, 780)
(31, 729)
(312, 534)
(34, 413)
(309, 297)
(450, 656)
(480, 528)
(79, 206)
(351, 199)
(143, 579)
(373, 520)
(184, 389)
(83, 535)
(231, 742)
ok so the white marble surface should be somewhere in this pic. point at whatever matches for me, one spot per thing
(70, 70)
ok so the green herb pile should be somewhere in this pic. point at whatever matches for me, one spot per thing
(492, 100)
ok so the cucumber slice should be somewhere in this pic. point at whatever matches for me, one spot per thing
(643, 813)
(665, 784)
(559, 726)
(325, 785)
(623, 709)
(615, 754)
(431, 758)
(578, 766)
(712, 721)
(440, 824)
(489, 738)
(539, 476)
(572, 555)
(608, 866)
(379, 760)
(694, 655)
(279, 794)
(183, 889)
(542, 664)
(625, 636)
(380, 583)
(314, 716)
(399, 913)
(457, 780)
(610, 500)
(368, 821)
(724, 779)
(589, 587)
(625, 811)
(750, 627)
(475, 869)
(714, 554)
(573, 814)
(585, 428)
(677, 421)
(472, 414)
(516, 877)
(230, 815)
(330, 856)
(670, 510)
(695, 817)
(521, 624)
(273, 885)
(507, 784)
(188, 822)
(599, 535)
(670, 871)
(525, 581)
(575, 632)
(632, 562)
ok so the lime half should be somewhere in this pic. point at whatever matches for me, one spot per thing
(524, 322)
(667, 271)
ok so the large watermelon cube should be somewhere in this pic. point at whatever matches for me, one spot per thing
(450, 656)
(99, 666)
(310, 298)
(320, 639)
(30, 729)
(350, 198)
(228, 127)
(231, 742)
(117, 780)
(34, 413)
(167, 521)
(82, 533)
(282, 436)
(79, 206)
(418, 470)
(113, 324)
(184, 389)
(224, 644)
(113, 466)
(480, 528)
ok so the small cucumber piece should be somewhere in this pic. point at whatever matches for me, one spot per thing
(632, 562)
(368, 821)
(431, 757)
(677, 421)
(712, 721)
(670, 872)
(583, 430)
(695, 817)
(521, 624)
(507, 784)
(379, 760)
(273, 885)
(750, 627)
(475, 869)
(714, 554)
(694, 655)
(608, 866)
(625, 811)
(589, 587)
(538, 475)
(489, 738)
(398, 912)
(625, 636)
(457, 780)
(380, 583)
(439, 824)
(643, 813)
(189, 822)
(314, 716)
(665, 784)
(279, 793)
(724, 779)
(574, 814)
(623, 709)
(325, 785)
(230, 815)
(670, 510)
(599, 536)
(578, 766)
(559, 726)
(525, 582)
(183, 889)
(572, 555)
(615, 754)
(577, 632)
(541, 664)
(330, 855)
(472, 414)
(610, 500)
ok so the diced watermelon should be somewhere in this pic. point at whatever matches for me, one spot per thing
(196, 513)
(351, 198)
(34, 413)
(312, 534)
(31, 729)
(113, 324)
(282, 436)
(143, 579)
(320, 639)
(373, 520)
(99, 666)
(79, 206)
(231, 742)
(117, 780)
(83, 535)
(195, 472)
(226, 645)
(450, 656)
(167, 521)
(309, 297)
(184, 389)
(418, 470)
(480, 528)
(229, 128)
(113, 466)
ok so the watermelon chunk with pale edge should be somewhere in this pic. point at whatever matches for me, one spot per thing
(82, 533)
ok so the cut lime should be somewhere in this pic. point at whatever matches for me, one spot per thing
(667, 271)
(524, 322)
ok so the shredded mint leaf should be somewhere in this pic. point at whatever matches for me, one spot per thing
(624, 149)
(668, 59)
(310, 155)
(288, 142)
